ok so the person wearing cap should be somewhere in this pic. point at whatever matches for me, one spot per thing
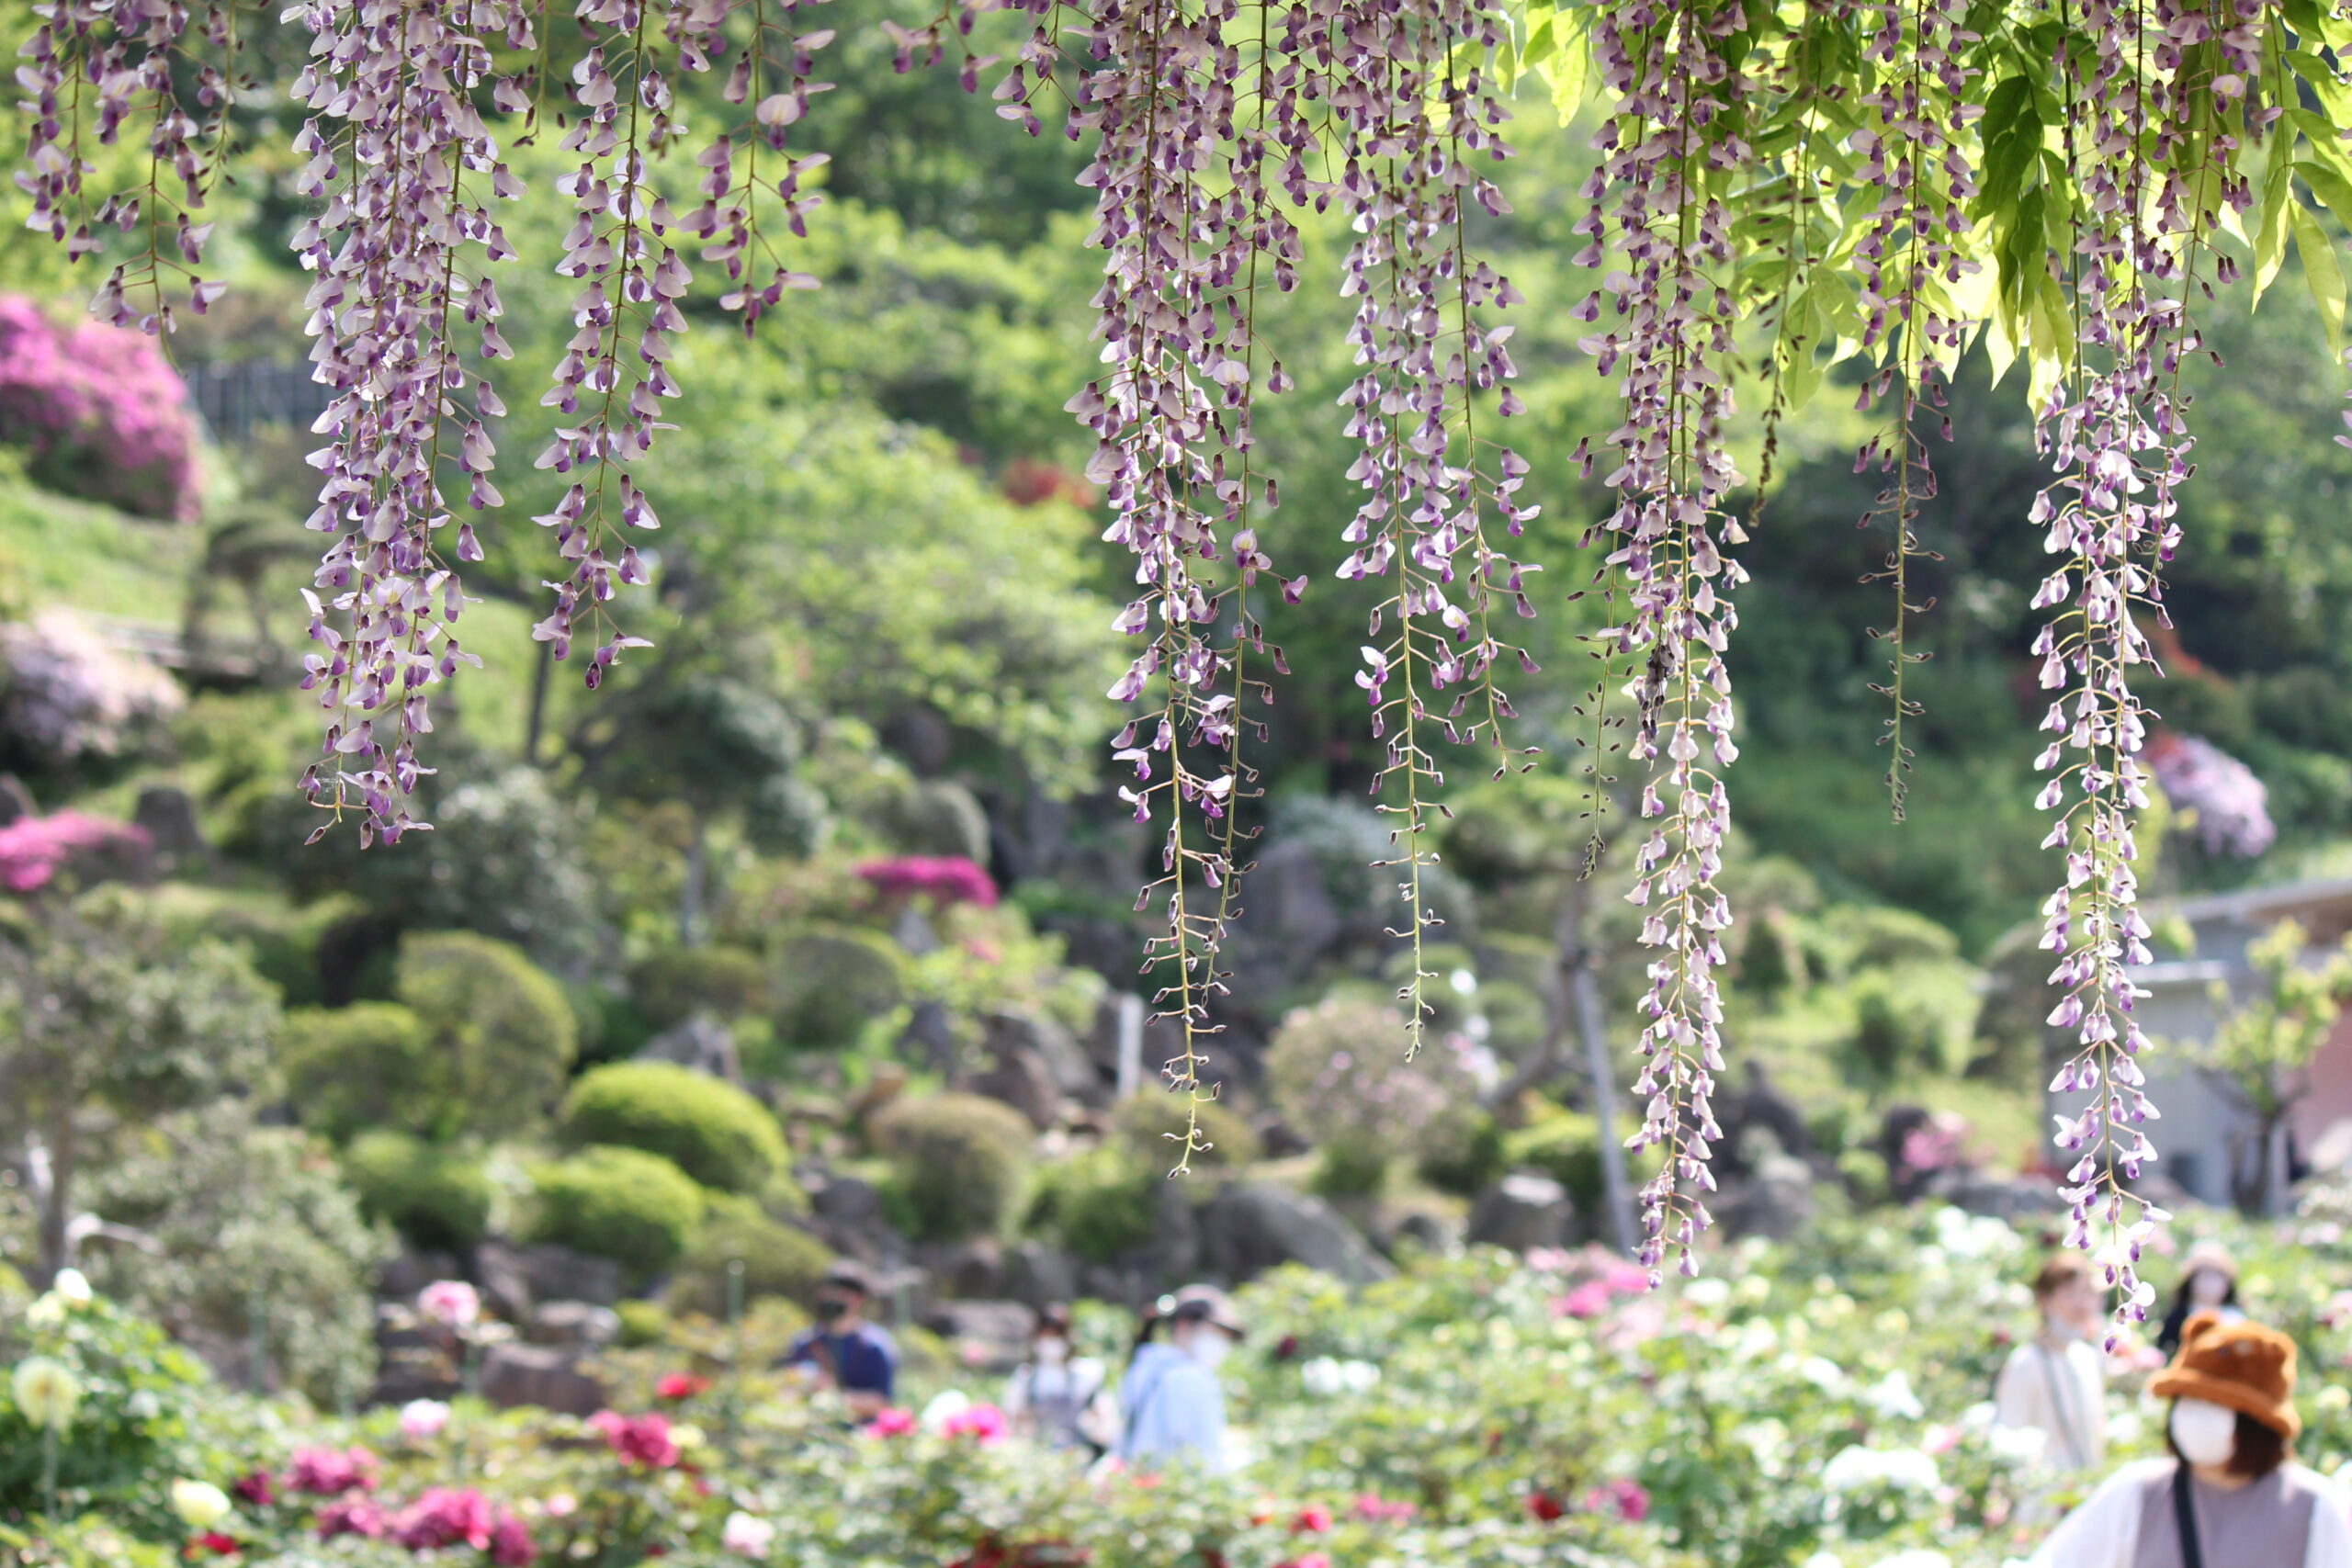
(844, 1351)
(1049, 1396)
(2208, 1282)
(2232, 1496)
(1174, 1405)
(2056, 1383)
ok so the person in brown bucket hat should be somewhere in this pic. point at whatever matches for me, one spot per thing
(2232, 1496)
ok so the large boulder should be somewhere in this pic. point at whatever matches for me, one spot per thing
(1073, 1071)
(169, 816)
(701, 1043)
(409, 1271)
(1035, 1273)
(1775, 1202)
(559, 1274)
(1021, 1079)
(1252, 1226)
(1523, 1210)
(989, 1336)
(504, 1275)
(546, 1375)
(577, 1323)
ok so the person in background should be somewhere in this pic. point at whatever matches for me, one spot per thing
(1174, 1405)
(844, 1351)
(2232, 1496)
(2056, 1383)
(1049, 1397)
(2208, 1282)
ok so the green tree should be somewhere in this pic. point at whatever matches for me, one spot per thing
(2262, 1053)
(107, 1021)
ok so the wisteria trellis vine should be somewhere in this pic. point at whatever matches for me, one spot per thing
(1779, 185)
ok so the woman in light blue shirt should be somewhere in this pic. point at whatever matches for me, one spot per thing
(1174, 1407)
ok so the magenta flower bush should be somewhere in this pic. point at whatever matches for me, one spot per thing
(33, 850)
(943, 879)
(100, 409)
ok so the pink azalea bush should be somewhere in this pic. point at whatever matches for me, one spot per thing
(34, 849)
(2222, 806)
(68, 696)
(943, 879)
(101, 410)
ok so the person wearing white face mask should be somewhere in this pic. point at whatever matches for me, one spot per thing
(1174, 1405)
(1049, 1397)
(2056, 1383)
(2208, 1282)
(2230, 1496)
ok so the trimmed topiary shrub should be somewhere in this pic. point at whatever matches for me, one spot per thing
(437, 1196)
(778, 1260)
(959, 1162)
(707, 1128)
(635, 1208)
(831, 980)
(673, 986)
(1468, 1159)
(502, 1034)
(1102, 1205)
(1565, 1147)
(1151, 1124)
(369, 1065)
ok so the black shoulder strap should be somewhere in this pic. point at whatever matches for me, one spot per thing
(2184, 1514)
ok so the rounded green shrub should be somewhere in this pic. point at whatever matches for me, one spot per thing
(503, 1033)
(437, 1196)
(1469, 1160)
(1101, 1205)
(778, 1260)
(369, 1065)
(635, 1208)
(959, 1162)
(1151, 1124)
(707, 1127)
(831, 980)
(674, 986)
(1565, 1147)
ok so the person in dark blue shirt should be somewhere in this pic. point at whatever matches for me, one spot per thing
(844, 1351)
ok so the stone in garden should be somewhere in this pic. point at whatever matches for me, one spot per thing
(1021, 1079)
(991, 1335)
(504, 1276)
(1252, 1226)
(545, 1375)
(1430, 1232)
(1073, 1071)
(409, 1272)
(169, 816)
(1175, 1251)
(1776, 1203)
(574, 1323)
(970, 1271)
(1756, 1115)
(848, 1212)
(15, 800)
(559, 1274)
(2009, 1198)
(929, 1031)
(1523, 1210)
(701, 1043)
(1035, 1273)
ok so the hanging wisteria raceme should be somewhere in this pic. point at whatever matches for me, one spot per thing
(94, 70)
(1909, 258)
(1172, 420)
(404, 166)
(2114, 428)
(1419, 127)
(1654, 201)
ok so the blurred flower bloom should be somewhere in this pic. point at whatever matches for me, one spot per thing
(46, 1391)
(892, 1422)
(675, 1386)
(421, 1419)
(453, 1303)
(199, 1504)
(747, 1535)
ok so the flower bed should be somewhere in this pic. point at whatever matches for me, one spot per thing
(1823, 1405)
